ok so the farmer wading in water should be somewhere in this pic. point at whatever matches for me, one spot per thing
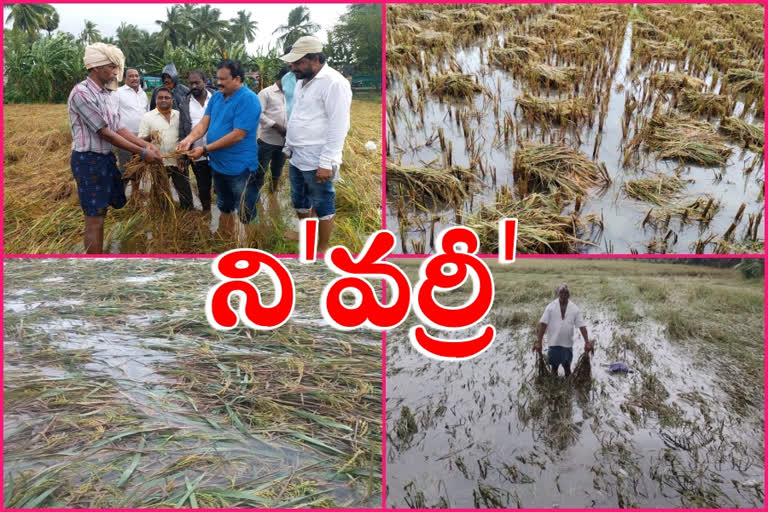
(96, 130)
(559, 319)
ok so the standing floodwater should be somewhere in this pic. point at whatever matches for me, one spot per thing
(602, 128)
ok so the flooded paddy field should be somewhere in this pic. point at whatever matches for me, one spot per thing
(119, 394)
(602, 128)
(685, 428)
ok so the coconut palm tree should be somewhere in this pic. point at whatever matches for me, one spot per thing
(242, 28)
(51, 22)
(29, 18)
(298, 25)
(130, 42)
(90, 33)
(206, 24)
(174, 28)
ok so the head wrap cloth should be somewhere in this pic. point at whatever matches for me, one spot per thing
(100, 54)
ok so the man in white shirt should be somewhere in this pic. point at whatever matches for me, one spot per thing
(132, 105)
(272, 129)
(560, 318)
(162, 125)
(191, 111)
(316, 130)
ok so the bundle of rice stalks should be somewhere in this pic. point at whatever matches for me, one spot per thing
(451, 185)
(149, 175)
(542, 366)
(558, 76)
(575, 110)
(556, 168)
(583, 46)
(511, 57)
(672, 50)
(477, 27)
(739, 131)
(431, 39)
(701, 209)
(660, 189)
(582, 372)
(541, 228)
(674, 80)
(528, 41)
(703, 103)
(648, 31)
(456, 85)
(682, 138)
(745, 81)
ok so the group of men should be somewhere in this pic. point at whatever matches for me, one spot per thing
(230, 137)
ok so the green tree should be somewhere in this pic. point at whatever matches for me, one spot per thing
(356, 39)
(242, 28)
(44, 71)
(29, 18)
(299, 24)
(207, 25)
(129, 39)
(175, 27)
(51, 22)
(90, 33)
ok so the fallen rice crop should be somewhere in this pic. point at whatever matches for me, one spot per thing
(120, 394)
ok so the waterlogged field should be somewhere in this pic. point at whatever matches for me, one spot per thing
(118, 394)
(43, 215)
(602, 128)
(684, 429)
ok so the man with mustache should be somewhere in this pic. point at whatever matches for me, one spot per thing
(191, 111)
(162, 125)
(229, 124)
(96, 130)
(315, 135)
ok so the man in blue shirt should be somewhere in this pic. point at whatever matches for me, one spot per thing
(229, 124)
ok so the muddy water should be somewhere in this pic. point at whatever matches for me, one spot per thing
(130, 344)
(623, 216)
(491, 435)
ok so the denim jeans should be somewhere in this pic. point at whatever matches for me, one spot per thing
(271, 156)
(238, 193)
(307, 193)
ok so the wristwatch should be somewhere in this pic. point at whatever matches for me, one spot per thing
(205, 150)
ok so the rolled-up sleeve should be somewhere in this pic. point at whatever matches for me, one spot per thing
(337, 104)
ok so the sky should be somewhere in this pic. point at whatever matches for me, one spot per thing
(269, 16)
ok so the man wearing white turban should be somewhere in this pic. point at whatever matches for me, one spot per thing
(96, 129)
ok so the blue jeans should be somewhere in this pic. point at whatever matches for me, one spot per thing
(560, 356)
(238, 193)
(307, 193)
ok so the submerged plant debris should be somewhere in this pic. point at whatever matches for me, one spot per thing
(684, 428)
(119, 394)
(635, 91)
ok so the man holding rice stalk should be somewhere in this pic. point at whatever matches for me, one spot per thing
(317, 127)
(161, 126)
(560, 318)
(96, 129)
(229, 124)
